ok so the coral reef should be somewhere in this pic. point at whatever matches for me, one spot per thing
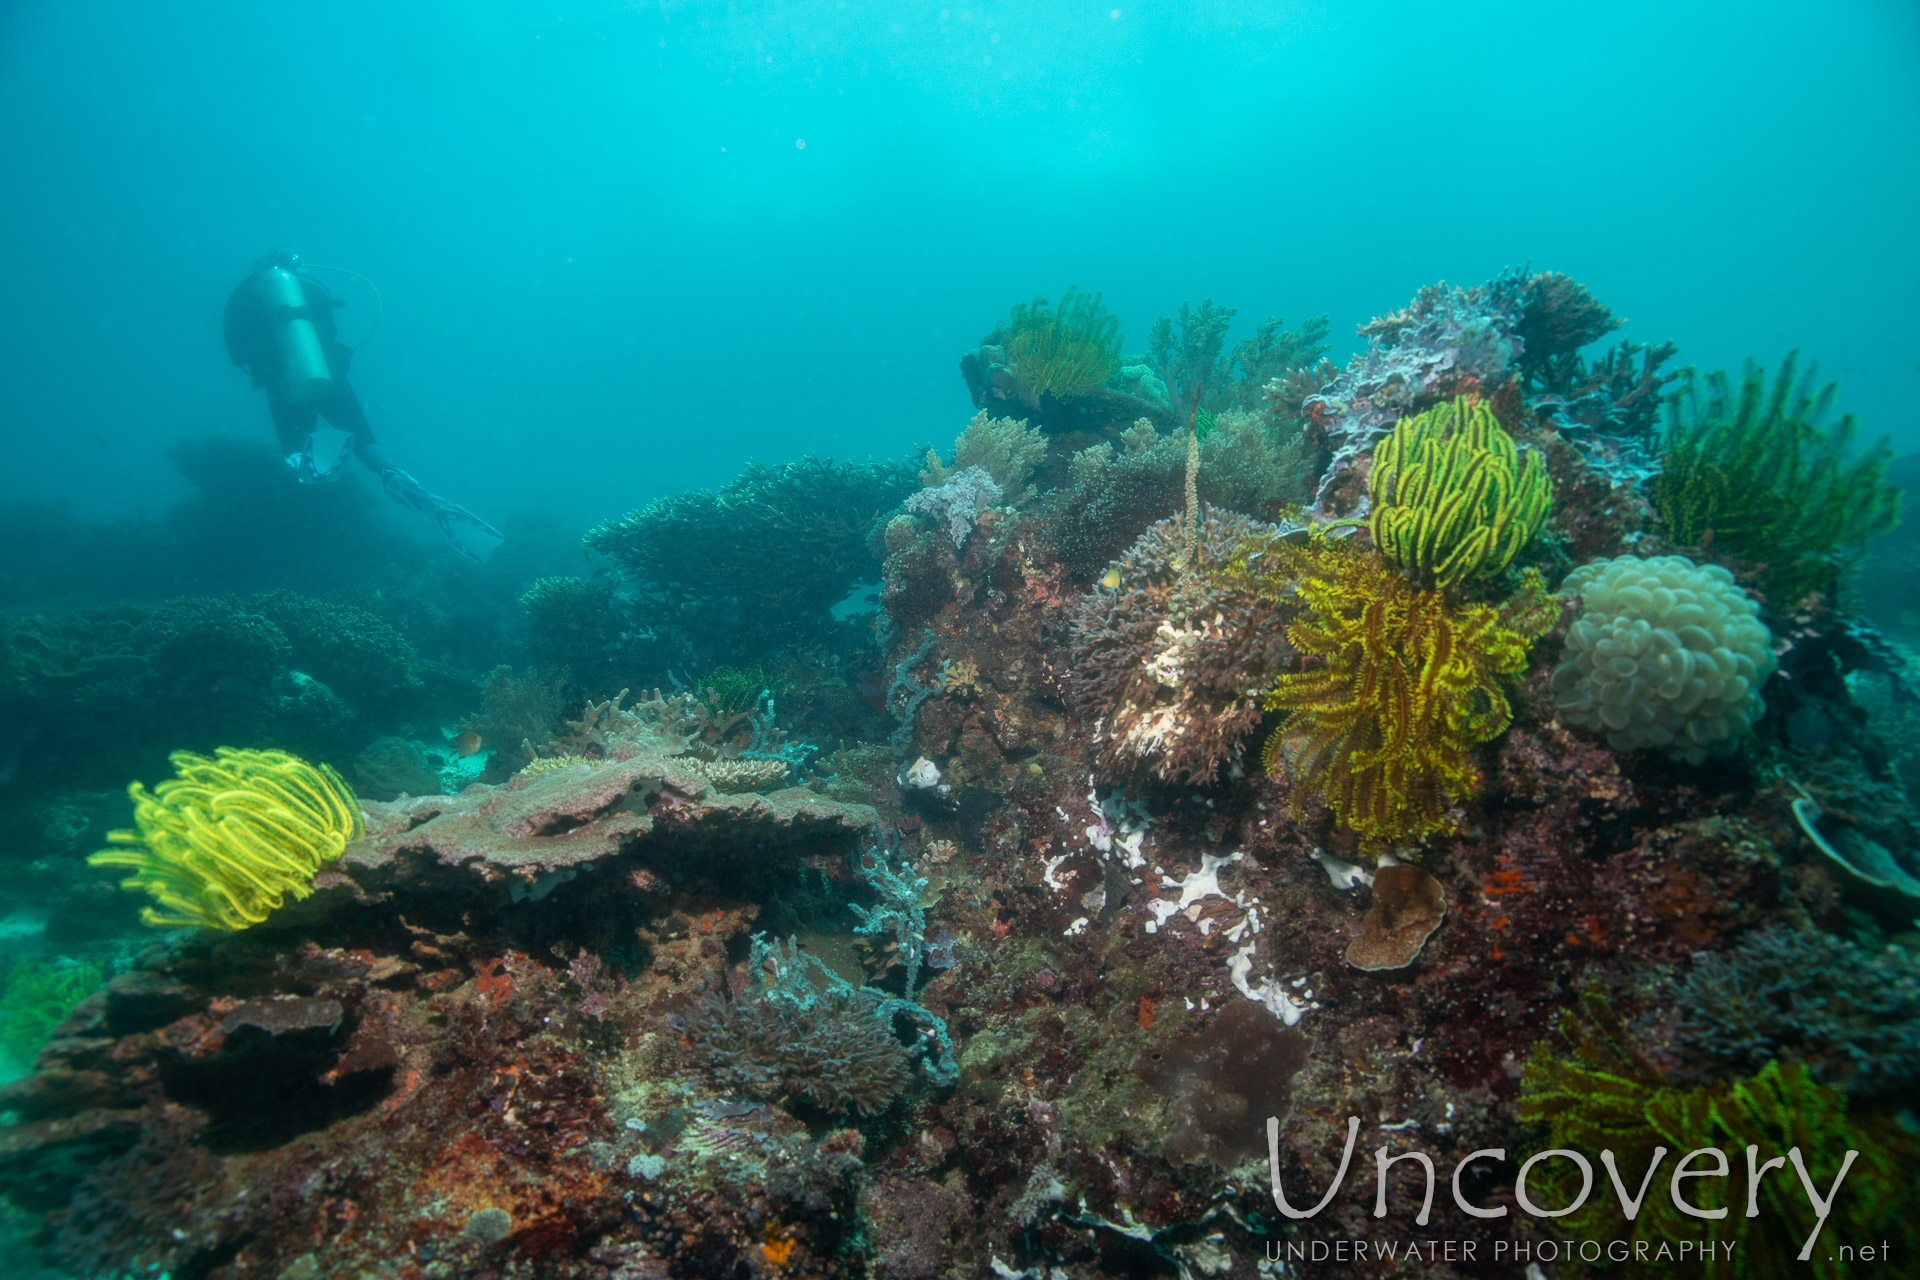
(1050, 953)
(35, 998)
(1664, 654)
(223, 844)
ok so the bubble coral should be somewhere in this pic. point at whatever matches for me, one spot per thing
(1452, 499)
(1664, 654)
(1404, 683)
(223, 844)
(1173, 665)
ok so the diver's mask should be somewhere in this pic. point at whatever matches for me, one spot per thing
(322, 456)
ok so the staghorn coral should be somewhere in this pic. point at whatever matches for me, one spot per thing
(1851, 1016)
(1596, 1090)
(1451, 498)
(795, 1035)
(1663, 654)
(1007, 449)
(1403, 684)
(1170, 666)
(223, 844)
(1756, 475)
(1061, 351)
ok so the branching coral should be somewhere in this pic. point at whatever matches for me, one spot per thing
(1755, 474)
(1170, 666)
(225, 842)
(1851, 1016)
(1664, 654)
(1404, 684)
(1065, 350)
(1597, 1091)
(1452, 499)
(740, 570)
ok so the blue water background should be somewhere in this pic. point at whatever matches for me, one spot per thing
(612, 269)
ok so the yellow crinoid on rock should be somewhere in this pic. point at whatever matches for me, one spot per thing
(1452, 498)
(226, 841)
(1401, 686)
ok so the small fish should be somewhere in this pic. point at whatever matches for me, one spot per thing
(1110, 579)
(466, 744)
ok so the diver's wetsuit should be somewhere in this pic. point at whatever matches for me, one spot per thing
(248, 326)
(249, 329)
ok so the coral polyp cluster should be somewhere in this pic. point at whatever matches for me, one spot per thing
(1402, 684)
(1665, 654)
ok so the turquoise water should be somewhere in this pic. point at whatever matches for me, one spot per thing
(847, 639)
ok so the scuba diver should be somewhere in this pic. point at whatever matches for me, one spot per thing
(279, 327)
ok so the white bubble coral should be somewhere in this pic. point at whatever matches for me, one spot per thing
(1665, 654)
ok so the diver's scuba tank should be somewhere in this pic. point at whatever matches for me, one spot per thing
(303, 366)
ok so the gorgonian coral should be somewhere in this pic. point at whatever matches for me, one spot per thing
(1452, 499)
(225, 842)
(1401, 684)
(1171, 666)
(1756, 474)
(1664, 654)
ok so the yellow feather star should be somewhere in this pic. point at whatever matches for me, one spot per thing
(1404, 684)
(1452, 499)
(222, 844)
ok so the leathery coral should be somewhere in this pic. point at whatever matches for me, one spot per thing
(1173, 664)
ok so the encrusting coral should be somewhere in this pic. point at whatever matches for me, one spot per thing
(1664, 654)
(1404, 684)
(1452, 500)
(225, 842)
